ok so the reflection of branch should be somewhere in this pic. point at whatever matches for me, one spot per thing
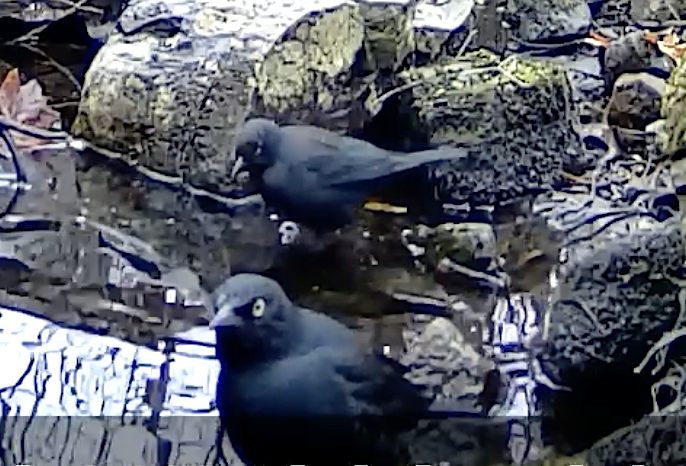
(90, 9)
(63, 137)
(63, 69)
(37, 30)
(663, 342)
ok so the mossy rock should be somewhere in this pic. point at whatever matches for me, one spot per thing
(674, 110)
(477, 97)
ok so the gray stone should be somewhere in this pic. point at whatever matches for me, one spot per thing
(171, 87)
(657, 12)
(543, 20)
(477, 100)
(614, 299)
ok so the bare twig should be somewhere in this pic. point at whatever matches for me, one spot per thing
(73, 103)
(665, 341)
(90, 9)
(37, 30)
(63, 69)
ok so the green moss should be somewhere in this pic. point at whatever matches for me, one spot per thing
(674, 110)
(315, 50)
(478, 96)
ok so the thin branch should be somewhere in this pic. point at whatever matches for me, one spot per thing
(60, 67)
(37, 30)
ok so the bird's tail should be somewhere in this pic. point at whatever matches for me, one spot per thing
(404, 162)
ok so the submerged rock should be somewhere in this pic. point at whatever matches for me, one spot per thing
(443, 361)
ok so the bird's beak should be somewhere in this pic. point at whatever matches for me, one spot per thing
(237, 167)
(226, 317)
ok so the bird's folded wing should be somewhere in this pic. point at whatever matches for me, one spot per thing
(303, 385)
(376, 387)
(335, 160)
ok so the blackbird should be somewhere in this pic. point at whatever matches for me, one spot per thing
(295, 388)
(318, 178)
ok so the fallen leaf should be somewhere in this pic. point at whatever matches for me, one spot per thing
(597, 40)
(25, 104)
(651, 37)
(671, 46)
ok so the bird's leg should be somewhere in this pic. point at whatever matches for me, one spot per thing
(236, 207)
(289, 232)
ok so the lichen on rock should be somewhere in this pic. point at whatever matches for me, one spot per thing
(477, 96)
(674, 110)
(307, 76)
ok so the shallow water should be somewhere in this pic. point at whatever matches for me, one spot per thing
(104, 312)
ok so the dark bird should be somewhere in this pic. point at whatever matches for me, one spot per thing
(295, 387)
(318, 178)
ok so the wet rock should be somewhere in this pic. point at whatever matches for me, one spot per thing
(614, 14)
(444, 363)
(529, 248)
(443, 28)
(440, 359)
(476, 97)
(614, 300)
(469, 244)
(195, 71)
(654, 439)
(95, 12)
(634, 104)
(632, 53)
(541, 21)
(308, 75)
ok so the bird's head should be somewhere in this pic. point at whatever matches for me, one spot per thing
(251, 143)
(252, 319)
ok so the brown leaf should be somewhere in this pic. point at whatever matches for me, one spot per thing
(651, 37)
(25, 104)
(597, 39)
(670, 46)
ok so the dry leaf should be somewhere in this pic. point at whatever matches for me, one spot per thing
(597, 40)
(651, 37)
(26, 104)
(670, 46)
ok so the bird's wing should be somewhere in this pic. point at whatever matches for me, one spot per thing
(335, 160)
(319, 330)
(341, 160)
(300, 385)
(331, 381)
(376, 389)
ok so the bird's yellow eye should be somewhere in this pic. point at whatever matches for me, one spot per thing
(258, 308)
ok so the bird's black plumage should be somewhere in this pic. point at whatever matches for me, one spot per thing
(295, 388)
(318, 178)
